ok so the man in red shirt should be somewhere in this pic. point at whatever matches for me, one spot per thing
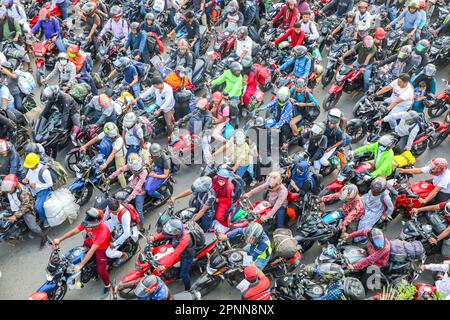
(259, 288)
(98, 238)
(295, 34)
(288, 14)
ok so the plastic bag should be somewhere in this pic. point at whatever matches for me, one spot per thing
(61, 206)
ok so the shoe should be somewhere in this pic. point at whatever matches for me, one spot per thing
(157, 202)
(44, 241)
(105, 292)
(253, 183)
(46, 225)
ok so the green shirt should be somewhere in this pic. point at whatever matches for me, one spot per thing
(233, 84)
(363, 52)
(5, 27)
(383, 162)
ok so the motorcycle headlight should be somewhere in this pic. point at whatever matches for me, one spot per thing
(340, 77)
(434, 50)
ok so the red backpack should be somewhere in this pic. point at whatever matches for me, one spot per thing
(134, 214)
(262, 73)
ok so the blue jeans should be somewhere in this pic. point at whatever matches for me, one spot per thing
(172, 17)
(260, 263)
(60, 44)
(185, 268)
(151, 185)
(366, 76)
(139, 204)
(281, 218)
(64, 8)
(197, 49)
(241, 171)
(136, 88)
(41, 197)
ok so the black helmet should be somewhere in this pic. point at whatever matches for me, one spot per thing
(173, 228)
(350, 14)
(376, 237)
(113, 204)
(201, 185)
(422, 46)
(101, 202)
(236, 67)
(386, 141)
(378, 185)
(189, 14)
(299, 51)
(146, 286)
(162, 220)
(150, 16)
(50, 93)
(93, 218)
(247, 61)
(255, 230)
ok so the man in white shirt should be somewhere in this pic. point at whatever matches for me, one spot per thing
(243, 44)
(40, 182)
(443, 282)
(362, 15)
(309, 28)
(402, 96)
(164, 99)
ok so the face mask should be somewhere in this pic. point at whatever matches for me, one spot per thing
(63, 62)
(382, 148)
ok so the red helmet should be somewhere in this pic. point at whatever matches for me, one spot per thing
(216, 97)
(251, 273)
(116, 12)
(380, 34)
(422, 5)
(10, 182)
(183, 44)
(437, 166)
(44, 13)
(203, 104)
(103, 100)
(363, 4)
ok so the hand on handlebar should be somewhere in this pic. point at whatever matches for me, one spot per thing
(350, 267)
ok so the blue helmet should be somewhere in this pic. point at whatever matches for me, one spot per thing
(224, 173)
(302, 169)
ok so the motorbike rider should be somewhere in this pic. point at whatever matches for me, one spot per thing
(402, 62)
(111, 147)
(365, 51)
(378, 248)
(411, 19)
(259, 288)
(137, 43)
(150, 26)
(407, 128)
(352, 208)
(288, 15)
(224, 189)
(183, 57)
(164, 99)
(152, 288)
(348, 28)
(317, 144)
(427, 75)
(192, 27)
(104, 109)
(22, 202)
(232, 17)
(437, 167)
(52, 96)
(50, 27)
(40, 182)
(382, 153)
(402, 96)
(65, 70)
(11, 78)
(159, 163)
(221, 116)
(257, 243)
(442, 282)
(309, 28)
(342, 7)
(16, 11)
(363, 16)
(277, 196)
(117, 25)
(203, 199)
(243, 45)
(250, 81)
(303, 101)
(233, 83)
(295, 34)
(132, 133)
(138, 179)
(10, 160)
(300, 60)
(93, 21)
(302, 181)
(83, 65)
(98, 240)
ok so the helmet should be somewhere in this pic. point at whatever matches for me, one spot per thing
(437, 166)
(73, 50)
(350, 14)
(299, 51)
(411, 117)
(111, 130)
(334, 115)
(7, 65)
(376, 237)
(386, 142)
(135, 162)
(236, 67)
(115, 12)
(122, 63)
(113, 204)
(146, 286)
(247, 61)
(88, 8)
(233, 6)
(239, 136)
(134, 26)
(251, 272)
(242, 32)
(422, 46)
(202, 104)
(349, 193)
(368, 41)
(318, 129)
(32, 147)
(253, 230)
(50, 93)
(259, 121)
(224, 173)
(101, 202)
(292, 2)
(447, 210)
(363, 4)
(93, 218)
(300, 82)
(180, 70)
(378, 185)
(150, 16)
(201, 185)
(414, 4)
(63, 55)
(283, 94)
(44, 14)
(429, 70)
(189, 14)
(216, 97)
(380, 33)
(155, 149)
(173, 228)
(404, 52)
(183, 44)
(9, 182)
(31, 160)
(4, 145)
(7, 2)
(130, 120)
(104, 100)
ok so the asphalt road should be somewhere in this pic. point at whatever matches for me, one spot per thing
(22, 266)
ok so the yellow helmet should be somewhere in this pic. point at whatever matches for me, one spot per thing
(31, 160)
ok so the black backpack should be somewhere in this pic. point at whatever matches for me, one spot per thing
(197, 234)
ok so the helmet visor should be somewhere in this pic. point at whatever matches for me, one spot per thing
(378, 241)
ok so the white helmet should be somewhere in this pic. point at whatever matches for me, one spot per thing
(129, 120)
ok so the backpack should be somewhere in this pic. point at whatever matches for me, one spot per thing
(80, 91)
(312, 64)
(25, 81)
(197, 233)
(133, 213)
(404, 251)
(146, 126)
(139, 68)
(58, 173)
(262, 74)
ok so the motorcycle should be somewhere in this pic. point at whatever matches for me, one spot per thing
(36, 6)
(108, 53)
(45, 57)
(50, 134)
(10, 52)
(441, 132)
(436, 106)
(395, 39)
(439, 50)
(336, 50)
(223, 46)
(11, 232)
(326, 27)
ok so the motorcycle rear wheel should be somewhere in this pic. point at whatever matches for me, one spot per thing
(207, 287)
(127, 293)
(436, 141)
(70, 160)
(437, 110)
(357, 133)
(419, 149)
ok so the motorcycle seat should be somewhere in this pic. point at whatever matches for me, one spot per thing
(210, 237)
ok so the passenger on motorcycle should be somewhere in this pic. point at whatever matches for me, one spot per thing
(300, 61)
(244, 44)
(65, 70)
(22, 202)
(233, 81)
(250, 82)
(137, 43)
(277, 196)
(224, 188)
(288, 15)
(304, 104)
(383, 155)
(10, 162)
(438, 168)
(365, 51)
(427, 75)
(132, 134)
(183, 57)
(137, 182)
(150, 26)
(103, 108)
(111, 147)
(342, 7)
(378, 248)
(184, 246)
(352, 208)
(10, 77)
(232, 17)
(16, 11)
(179, 80)
(317, 144)
(50, 27)
(411, 18)
(192, 27)
(348, 28)
(259, 288)
(83, 65)
(152, 288)
(221, 116)
(119, 220)
(295, 34)
(92, 19)
(257, 243)
(117, 25)
(402, 96)
(442, 282)
(420, 94)
(98, 240)
(309, 28)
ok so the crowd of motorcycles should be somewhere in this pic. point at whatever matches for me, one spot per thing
(221, 261)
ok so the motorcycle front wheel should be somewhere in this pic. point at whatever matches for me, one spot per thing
(83, 195)
(59, 293)
(331, 101)
(437, 140)
(356, 132)
(437, 110)
(327, 77)
(127, 293)
(70, 161)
